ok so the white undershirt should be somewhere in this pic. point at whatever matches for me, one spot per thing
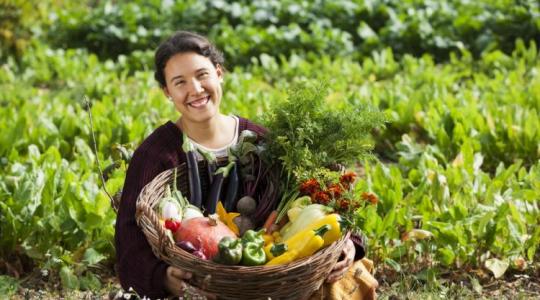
(219, 152)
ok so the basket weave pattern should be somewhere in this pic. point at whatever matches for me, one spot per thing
(297, 280)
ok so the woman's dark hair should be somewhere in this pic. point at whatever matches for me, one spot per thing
(182, 42)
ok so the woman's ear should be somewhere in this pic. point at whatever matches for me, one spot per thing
(219, 71)
(166, 92)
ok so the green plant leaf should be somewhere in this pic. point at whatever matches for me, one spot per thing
(68, 278)
(92, 257)
(8, 285)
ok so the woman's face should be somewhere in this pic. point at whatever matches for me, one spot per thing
(194, 84)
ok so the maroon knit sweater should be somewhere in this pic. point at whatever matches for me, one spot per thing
(137, 266)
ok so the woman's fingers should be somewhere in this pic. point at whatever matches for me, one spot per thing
(176, 284)
(338, 272)
(342, 266)
(178, 273)
(174, 280)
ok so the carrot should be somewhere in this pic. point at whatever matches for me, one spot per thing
(270, 221)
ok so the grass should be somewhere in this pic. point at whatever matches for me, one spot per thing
(513, 286)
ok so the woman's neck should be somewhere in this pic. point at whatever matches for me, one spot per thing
(214, 133)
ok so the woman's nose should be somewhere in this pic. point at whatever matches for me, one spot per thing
(196, 87)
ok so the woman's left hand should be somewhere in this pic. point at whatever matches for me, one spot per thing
(342, 266)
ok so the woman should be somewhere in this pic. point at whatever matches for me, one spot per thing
(190, 72)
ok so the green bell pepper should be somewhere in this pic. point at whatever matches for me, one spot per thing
(230, 251)
(252, 236)
(253, 254)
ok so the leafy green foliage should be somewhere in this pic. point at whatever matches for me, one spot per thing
(306, 132)
(246, 29)
(8, 285)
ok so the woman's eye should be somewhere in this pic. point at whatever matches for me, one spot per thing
(179, 83)
(203, 75)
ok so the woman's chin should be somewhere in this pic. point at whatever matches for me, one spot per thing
(202, 117)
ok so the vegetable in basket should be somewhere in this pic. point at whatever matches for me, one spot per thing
(204, 233)
(193, 172)
(175, 206)
(245, 206)
(301, 245)
(170, 209)
(308, 215)
(306, 134)
(215, 188)
(230, 251)
(228, 218)
(211, 163)
(232, 187)
(191, 212)
(252, 236)
(297, 206)
(253, 242)
(253, 254)
(172, 225)
(274, 250)
(259, 180)
(336, 222)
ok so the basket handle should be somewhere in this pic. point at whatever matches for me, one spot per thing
(144, 211)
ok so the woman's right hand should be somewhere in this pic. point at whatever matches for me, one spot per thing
(175, 282)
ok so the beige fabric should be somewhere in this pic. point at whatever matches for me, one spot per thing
(358, 283)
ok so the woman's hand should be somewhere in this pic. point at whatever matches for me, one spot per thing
(342, 266)
(175, 282)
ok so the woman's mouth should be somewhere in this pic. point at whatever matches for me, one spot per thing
(199, 103)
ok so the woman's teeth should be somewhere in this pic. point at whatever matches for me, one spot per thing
(199, 103)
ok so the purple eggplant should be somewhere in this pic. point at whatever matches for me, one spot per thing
(200, 254)
(193, 173)
(232, 189)
(215, 188)
(187, 246)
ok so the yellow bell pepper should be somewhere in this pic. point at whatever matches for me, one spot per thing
(277, 237)
(302, 244)
(284, 258)
(268, 239)
(334, 234)
(272, 250)
(314, 244)
(329, 237)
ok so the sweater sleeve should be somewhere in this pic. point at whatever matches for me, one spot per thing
(137, 266)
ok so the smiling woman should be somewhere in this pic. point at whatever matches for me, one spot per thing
(190, 71)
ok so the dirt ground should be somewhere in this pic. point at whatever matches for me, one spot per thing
(512, 286)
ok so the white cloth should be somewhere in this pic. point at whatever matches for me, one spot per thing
(219, 152)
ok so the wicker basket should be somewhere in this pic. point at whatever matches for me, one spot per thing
(297, 280)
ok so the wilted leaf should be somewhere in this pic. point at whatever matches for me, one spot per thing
(417, 234)
(496, 266)
(477, 287)
(520, 263)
